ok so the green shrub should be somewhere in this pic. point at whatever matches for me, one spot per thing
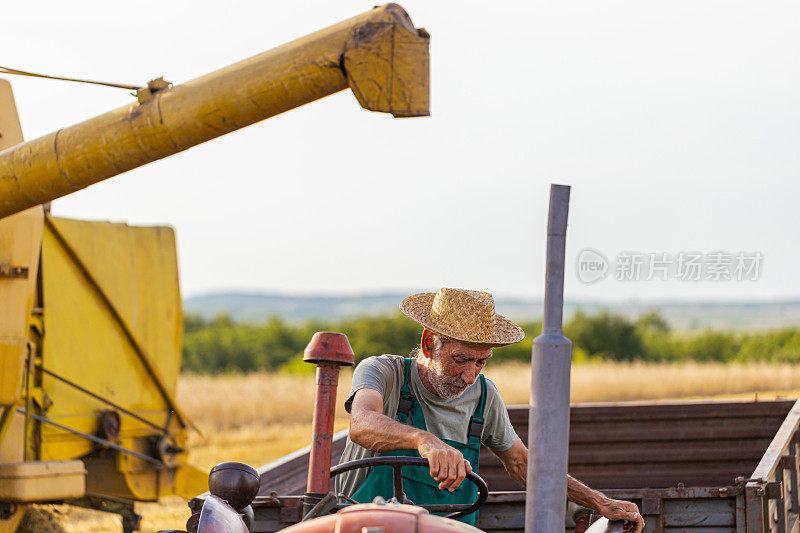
(223, 345)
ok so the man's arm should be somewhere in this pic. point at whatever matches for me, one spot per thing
(515, 460)
(373, 430)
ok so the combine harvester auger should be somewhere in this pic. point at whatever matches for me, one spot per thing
(90, 312)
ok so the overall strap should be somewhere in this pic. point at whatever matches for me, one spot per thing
(476, 422)
(407, 398)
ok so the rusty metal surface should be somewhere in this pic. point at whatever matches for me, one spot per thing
(771, 493)
(329, 347)
(288, 475)
(661, 445)
(328, 351)
(696, 510)
(673, 510)
(624, 445)
(678, 460)
(319, 460)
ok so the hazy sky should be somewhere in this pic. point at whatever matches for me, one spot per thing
(676, 123)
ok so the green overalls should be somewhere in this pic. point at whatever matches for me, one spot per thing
(418, 484)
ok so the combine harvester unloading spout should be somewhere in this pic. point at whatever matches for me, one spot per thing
(89, 416)
(379, 55)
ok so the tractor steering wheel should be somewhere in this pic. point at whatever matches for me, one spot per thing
(398, 462)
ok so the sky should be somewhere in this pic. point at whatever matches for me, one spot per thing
(677, 125)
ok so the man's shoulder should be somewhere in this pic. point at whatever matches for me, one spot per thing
(493, 398)
(377, 372)
(387, 367)
(383, 361)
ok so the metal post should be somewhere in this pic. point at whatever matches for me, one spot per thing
(328, 351)
(548, 420)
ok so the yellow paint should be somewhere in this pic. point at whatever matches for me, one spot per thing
(113, 323)
(136, 269)
(108, 312)
(35, 481)
(378, 53)
(132, 275)
(20, 241)
(9, 525)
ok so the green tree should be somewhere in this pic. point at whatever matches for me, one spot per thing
(607, 335)
(193, 322)
(652, 323)
(223, 345)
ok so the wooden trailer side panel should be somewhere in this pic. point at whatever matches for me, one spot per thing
(679, 461)
(621, 446)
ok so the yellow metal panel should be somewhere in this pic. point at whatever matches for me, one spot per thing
(387, 89)
(112, 324)
(20, 239)
(12, 449)
(20, 242)
(36, 481)
(124, 476)
(10, 129)
(190, 482)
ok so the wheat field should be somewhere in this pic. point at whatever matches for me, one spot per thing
(262, 416)
(259, 417)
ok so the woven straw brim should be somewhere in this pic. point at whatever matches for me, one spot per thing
(418, 308)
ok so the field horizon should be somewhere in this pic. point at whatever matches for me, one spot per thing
(257, 306)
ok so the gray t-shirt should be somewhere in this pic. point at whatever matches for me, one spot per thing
(447, 419)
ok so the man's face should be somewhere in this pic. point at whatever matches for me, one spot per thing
(455, 366)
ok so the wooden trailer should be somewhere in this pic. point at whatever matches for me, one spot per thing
(692, 467)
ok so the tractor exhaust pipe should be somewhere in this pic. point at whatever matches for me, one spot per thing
(548, 419)
(328, 351)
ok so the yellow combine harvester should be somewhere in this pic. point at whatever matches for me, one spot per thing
(90, 312)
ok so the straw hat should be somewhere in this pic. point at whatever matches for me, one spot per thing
(463, 315)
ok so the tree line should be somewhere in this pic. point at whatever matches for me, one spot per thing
(220, 344)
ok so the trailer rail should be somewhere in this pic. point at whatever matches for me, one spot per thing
(771, 492)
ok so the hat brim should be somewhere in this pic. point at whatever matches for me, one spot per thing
(418, 308)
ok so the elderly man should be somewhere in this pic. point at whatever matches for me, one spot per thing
(437, 405)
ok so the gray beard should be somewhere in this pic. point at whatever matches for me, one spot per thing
(444, 388)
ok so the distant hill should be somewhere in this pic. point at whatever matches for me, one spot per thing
(256, 307)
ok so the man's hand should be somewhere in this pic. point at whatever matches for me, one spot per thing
(612, 509)
(447, 464)
(379, 433)
(622, 510)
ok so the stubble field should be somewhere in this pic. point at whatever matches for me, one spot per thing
(257, 418)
